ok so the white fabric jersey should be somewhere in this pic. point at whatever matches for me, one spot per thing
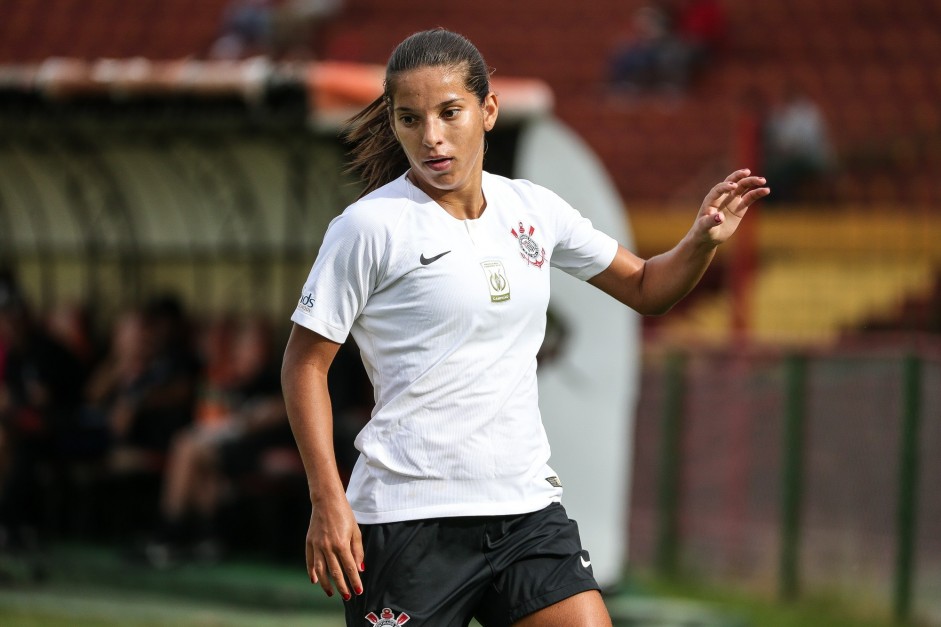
(448, 315)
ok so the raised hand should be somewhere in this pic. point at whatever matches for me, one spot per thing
(724, 206)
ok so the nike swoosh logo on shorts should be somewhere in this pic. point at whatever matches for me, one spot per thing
(426, 260)
(585, 563)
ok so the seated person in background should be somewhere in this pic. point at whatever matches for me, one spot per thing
(71, 325)
(245, 30)
(242, 420)
(119, 370)
(145, 390)
(40, 393)
(640, 59)
(279, 29)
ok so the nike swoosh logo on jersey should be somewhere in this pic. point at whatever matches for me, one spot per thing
(585, 563)
(426, 260)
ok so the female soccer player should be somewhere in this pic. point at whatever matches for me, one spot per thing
(440, 271)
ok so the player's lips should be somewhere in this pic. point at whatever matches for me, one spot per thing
(438, 164)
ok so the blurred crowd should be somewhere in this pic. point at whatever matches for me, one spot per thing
(668, 45)
(168, 435)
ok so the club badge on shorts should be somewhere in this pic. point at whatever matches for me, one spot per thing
(387, 618)
(531, 252)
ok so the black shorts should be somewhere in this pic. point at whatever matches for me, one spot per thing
(442, 572)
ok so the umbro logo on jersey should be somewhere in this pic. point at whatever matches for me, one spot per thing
(426, 260)
(306, 302)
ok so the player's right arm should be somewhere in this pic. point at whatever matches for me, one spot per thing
(334, 547)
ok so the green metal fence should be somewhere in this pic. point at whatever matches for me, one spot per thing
(803, 471)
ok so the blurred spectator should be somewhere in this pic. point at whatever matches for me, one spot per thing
(666, 46)
(273, 28)
(243, 431)
(798, 152)
(145, 389)
(245, 31)
(71, 325)
(40, 392)
(701, 29)
(641, 60)
(119, 372)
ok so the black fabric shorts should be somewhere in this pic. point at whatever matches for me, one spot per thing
(442, 572)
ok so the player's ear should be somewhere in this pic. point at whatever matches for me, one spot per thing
(491, 107)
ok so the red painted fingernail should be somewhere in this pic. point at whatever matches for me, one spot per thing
(358, 590)
(330, 593)
(347, 596)
(362, 566)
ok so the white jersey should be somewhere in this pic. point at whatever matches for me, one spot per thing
(448, 315)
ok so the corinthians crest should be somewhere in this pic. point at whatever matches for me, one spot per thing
(387, 618)
(530, 250)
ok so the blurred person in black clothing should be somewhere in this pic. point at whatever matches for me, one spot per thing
(40, 393)
(150, 404)
(645, 47)
(142, 393)
(666, 45)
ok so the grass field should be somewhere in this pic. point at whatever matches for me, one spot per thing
(762, 611)
(96, 587)
(101, 607)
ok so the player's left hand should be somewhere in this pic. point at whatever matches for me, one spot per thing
(724, 206)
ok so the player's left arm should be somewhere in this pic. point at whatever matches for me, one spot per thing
(653, 286)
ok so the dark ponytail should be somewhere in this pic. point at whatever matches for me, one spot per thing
(376, 156)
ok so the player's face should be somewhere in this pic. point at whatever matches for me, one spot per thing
(441, 125)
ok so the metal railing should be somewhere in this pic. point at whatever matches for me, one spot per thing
(808, 470)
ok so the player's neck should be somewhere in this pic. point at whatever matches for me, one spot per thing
(464, 203)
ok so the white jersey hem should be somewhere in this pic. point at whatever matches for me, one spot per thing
(450, 511)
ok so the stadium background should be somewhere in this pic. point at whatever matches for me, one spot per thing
(819, 327)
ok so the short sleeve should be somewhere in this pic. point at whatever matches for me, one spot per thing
(580, 250)
(343, 276)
